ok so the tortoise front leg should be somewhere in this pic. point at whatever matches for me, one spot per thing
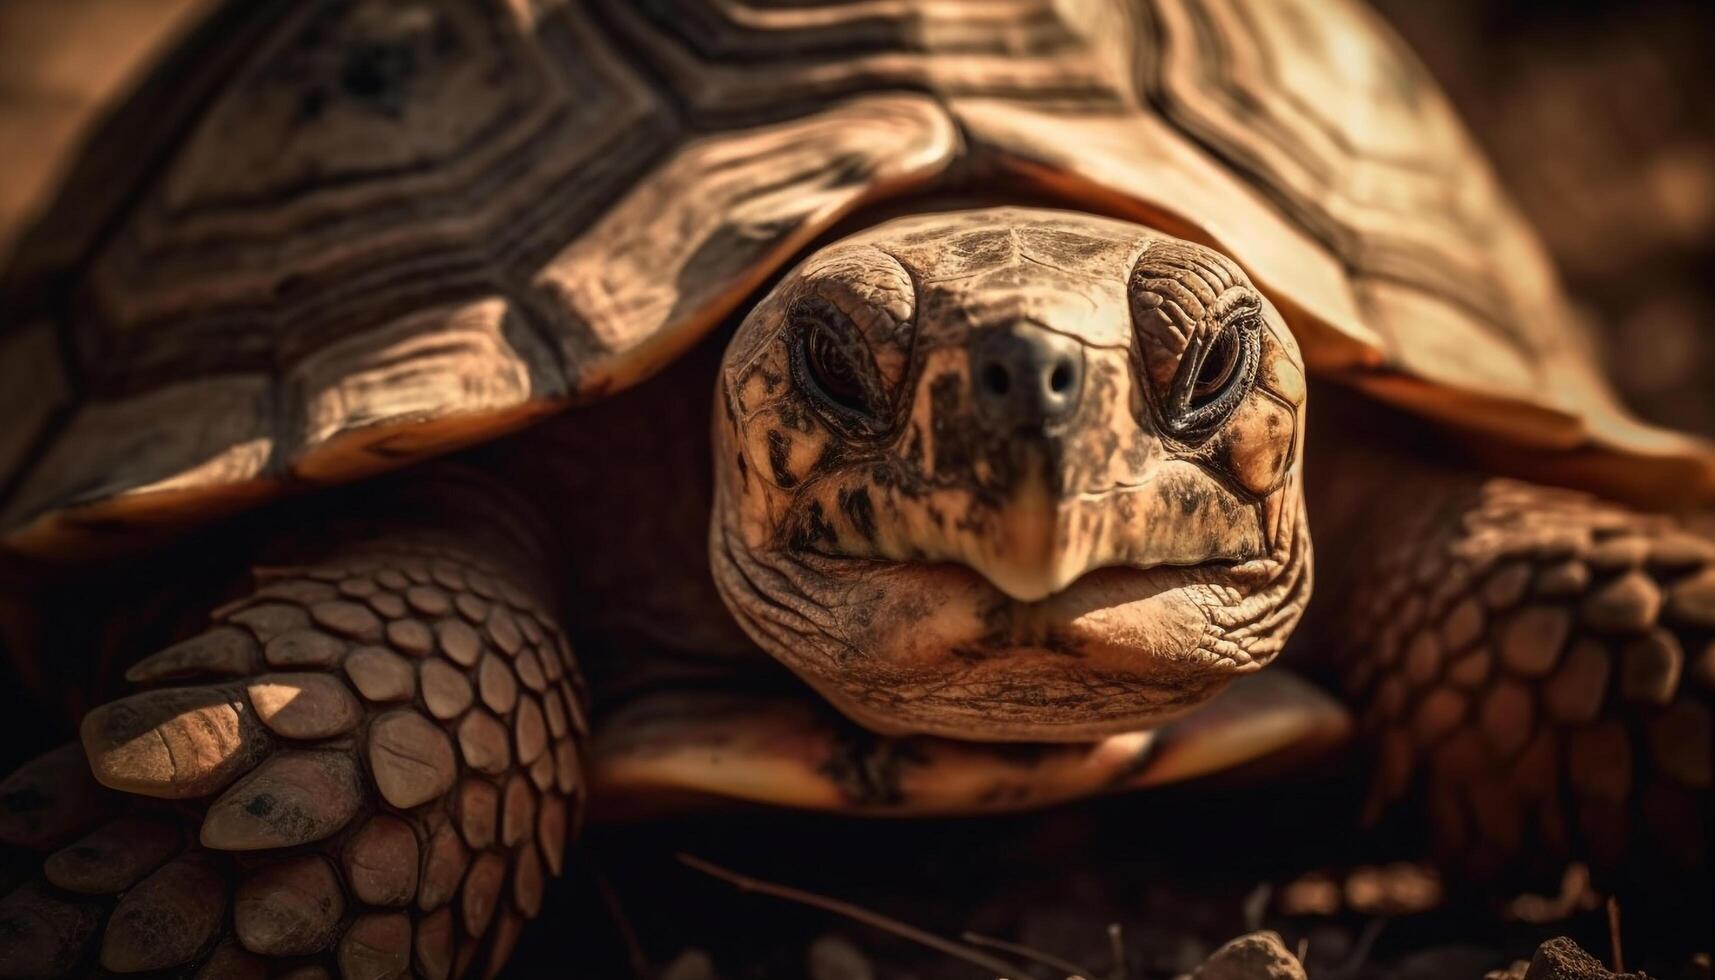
(1537, 670)
(368, 765)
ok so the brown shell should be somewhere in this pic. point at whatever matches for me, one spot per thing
(311, 241)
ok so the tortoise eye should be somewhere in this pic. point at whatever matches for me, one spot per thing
(1210, 386)
(833, 365)
(830, 367)
(1216, 370)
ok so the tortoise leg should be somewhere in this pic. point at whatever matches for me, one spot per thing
(366, 767)
(1536, 670)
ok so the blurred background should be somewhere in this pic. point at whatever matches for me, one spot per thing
(1599, 116)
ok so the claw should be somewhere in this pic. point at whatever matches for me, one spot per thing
(113, 857)
(551, 832)
(167, 919)
(483, 740)
(291, 908)
(293, 798)
(381, 862)
(527, 882)
(443, 868)
(518, 811)
(174, 743)
(304, 706)
(231, 961)
(42, 936)
(506, 933)
(481, 892)
(376, 947)
(434, 945)
(411, 758)
(220, 652)
(49, 799)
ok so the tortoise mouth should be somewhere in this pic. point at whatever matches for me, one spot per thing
(1072, 621)
(935, 648)
(1115, 651)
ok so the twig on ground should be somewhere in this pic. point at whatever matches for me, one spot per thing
(1360, 953)
(1072, 970)
(1614, 934)
(639, 963)
(1116, 946)
(999, 967)
(1256, 904)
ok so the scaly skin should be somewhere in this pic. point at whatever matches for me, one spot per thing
(370, 763)
(1536, 673)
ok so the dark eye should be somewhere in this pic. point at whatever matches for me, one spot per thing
(1212, 383)
(831, 368)
(833, 365)
(1216, 370)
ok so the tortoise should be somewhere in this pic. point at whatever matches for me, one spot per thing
(954, 358)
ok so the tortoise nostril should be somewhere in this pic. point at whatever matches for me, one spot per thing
(1024, 377)
(1061, 379)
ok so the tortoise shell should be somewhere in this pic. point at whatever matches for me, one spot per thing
(277, 244)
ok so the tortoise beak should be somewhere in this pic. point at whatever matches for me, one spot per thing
(1026, 384)
(1035, 551)
(1056, 526)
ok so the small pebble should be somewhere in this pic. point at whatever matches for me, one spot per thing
(690, 964)
(831, 957)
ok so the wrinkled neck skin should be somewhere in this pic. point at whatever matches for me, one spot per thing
(1012, 475)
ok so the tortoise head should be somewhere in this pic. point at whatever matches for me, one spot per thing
(1012, 474)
